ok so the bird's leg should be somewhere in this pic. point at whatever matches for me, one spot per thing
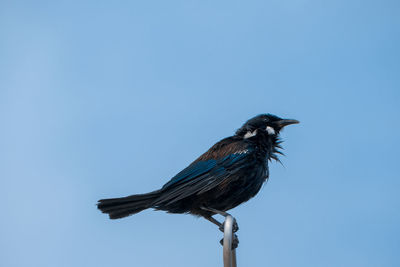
(222, 213)
(221, 225)
(214, 221)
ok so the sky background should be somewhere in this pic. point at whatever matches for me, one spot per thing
(104, 99)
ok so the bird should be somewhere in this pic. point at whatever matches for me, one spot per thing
(230, 173)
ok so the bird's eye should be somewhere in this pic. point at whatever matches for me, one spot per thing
(270, 130)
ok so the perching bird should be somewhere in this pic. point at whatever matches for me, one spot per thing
(228, 174)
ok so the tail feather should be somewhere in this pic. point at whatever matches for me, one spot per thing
(122, 207)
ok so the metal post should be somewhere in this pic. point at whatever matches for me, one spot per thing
(229, 254)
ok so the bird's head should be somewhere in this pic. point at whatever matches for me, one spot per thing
(265, 129)
(263, 125)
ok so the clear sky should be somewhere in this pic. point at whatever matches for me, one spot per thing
(110, 98)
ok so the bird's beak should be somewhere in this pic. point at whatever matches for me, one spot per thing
(285, 122)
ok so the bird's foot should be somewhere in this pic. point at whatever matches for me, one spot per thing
(235, 226)
(221, 226)
(235, 242)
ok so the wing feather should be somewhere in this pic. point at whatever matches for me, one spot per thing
(207, 172)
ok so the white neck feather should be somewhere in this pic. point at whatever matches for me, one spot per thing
(250, 134)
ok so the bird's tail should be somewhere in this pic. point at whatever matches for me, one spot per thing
(122, 207)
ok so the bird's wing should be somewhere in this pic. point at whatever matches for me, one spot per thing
(207, 172)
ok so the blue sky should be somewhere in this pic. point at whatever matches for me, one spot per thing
(104, 99)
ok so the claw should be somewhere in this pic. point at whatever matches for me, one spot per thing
(235, 242)
(235, 226)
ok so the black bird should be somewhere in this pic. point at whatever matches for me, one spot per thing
(228, 174)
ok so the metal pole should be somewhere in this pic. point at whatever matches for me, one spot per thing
(229, 254)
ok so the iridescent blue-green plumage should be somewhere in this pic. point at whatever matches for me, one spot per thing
(228, 174)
